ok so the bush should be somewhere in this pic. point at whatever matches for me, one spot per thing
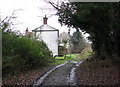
(23, 53)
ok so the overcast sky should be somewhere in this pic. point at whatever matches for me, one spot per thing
(31, 14)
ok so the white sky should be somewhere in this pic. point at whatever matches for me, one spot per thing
(31, 15)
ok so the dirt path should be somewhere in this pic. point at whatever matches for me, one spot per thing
(59, 76)
(63, 74)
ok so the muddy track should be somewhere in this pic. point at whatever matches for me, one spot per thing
(63, 74)
(59, 76)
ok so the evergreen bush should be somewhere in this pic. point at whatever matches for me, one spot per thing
(20, 53)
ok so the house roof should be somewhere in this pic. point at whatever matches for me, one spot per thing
(45, 27)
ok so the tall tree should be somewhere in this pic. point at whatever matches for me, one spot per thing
(100, 20)
(78, 42)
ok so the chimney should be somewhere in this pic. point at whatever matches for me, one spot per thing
(26, 33)
(26, 29)
(45, 20)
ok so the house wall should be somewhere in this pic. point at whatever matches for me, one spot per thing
(51, 40)
(49, 35)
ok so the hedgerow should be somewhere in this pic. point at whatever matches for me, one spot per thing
(20, 53)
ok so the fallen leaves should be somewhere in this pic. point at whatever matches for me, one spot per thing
(92, 73)
(26, 78)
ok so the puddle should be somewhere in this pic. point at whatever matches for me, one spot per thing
(74, 62)
(72, 78)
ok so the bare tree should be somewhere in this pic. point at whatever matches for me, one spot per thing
(6, 22)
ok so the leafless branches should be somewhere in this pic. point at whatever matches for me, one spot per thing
(7, 21)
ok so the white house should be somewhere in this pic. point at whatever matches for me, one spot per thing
(49, 35)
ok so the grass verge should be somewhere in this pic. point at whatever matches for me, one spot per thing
(61, 60)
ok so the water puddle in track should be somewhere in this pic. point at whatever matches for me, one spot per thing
(72, 78)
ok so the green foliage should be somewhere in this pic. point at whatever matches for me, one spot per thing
(65, 41)
(100, 20)
(78, 42)
(68, 57)
(23, 53)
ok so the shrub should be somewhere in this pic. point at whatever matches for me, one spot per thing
(23, 53)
